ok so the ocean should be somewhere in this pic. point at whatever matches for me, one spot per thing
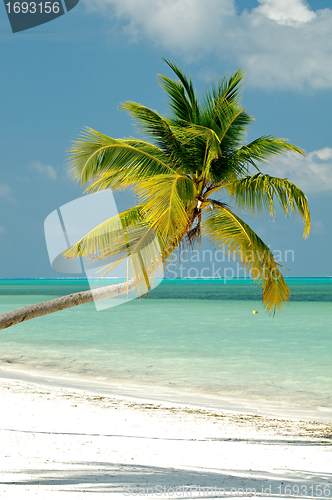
(191, 340)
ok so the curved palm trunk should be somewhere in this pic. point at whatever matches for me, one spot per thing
(35, 310)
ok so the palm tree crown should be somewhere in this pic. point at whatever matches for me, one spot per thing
(196, 155)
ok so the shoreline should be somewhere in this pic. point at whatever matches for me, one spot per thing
(156, 394)
(61, 442)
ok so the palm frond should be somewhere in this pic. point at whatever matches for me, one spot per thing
(223, 228)
(230, 122)
(221, 92)
(157, 127)
(259, 191)
(126, 160)
(264, 149)
(108, 238)
(201, 146)
(167, 202)
(224, 113)
(144, 251)
(120, 237)
(230, 89)
(234, 166)
(187, 92)
(234, 130)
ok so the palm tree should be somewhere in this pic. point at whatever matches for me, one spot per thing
(195, 159)
(195, 154)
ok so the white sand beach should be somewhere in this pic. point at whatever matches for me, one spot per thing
(58, 443)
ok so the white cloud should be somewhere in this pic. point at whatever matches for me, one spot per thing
(291, 12)
(287, 56)
(312, 173)
(6, 193)
(178, 25)
(280, 43)
(45, 170)
(2, 230)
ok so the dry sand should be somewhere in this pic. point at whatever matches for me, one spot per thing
(58, 443)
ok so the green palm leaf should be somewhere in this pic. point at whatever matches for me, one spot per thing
(108, 238)
(158, 128)
(224, 113)
(259, 192)
(225, 229)
(183, 100)
(167, 201)
(264, 149)
(224, 90)
(94, 154)
(123, 236)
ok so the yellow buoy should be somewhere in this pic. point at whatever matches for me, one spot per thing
(255, 312)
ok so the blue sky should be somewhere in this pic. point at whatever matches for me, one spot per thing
(75, 71)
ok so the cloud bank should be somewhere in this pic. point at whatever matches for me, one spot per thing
(280, 44)
(312, 173)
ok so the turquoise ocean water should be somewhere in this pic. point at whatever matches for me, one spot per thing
(196, 336)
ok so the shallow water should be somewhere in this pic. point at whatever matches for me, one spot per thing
(198, 336)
